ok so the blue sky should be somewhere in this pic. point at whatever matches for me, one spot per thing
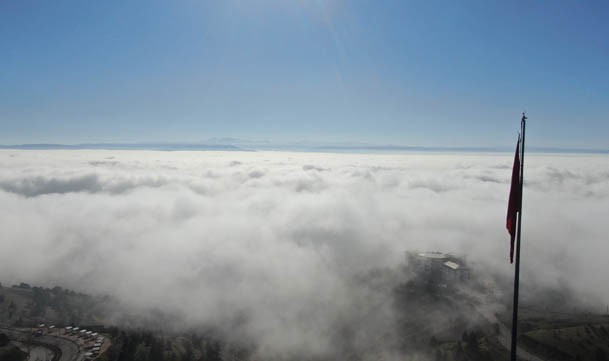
(423, 73)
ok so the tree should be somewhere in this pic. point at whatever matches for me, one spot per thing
(13, 353)
(141, 353)
(213, 351)
(111, 354)
(4, 340)
(438, 355)
(156, 350)
(496, 328)
(188, 352)
(459, 355)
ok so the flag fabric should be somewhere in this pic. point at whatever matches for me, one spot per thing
(514, 200)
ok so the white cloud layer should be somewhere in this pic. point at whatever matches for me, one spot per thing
(272, 240)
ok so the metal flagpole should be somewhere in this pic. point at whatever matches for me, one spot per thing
(517, 271)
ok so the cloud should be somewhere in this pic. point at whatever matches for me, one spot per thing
(267, 245)
(38, 185)
(312, 167)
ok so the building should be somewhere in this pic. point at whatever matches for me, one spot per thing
(436, 267)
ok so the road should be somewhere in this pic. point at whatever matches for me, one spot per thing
(65, 350)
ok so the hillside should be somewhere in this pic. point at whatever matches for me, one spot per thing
(429, 319)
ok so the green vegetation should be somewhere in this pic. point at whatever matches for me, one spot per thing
(459, 332)
(146, 345)
(24, 305)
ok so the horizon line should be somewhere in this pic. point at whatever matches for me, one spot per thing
(295, 146)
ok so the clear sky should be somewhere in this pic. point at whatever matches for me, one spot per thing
(431, 73)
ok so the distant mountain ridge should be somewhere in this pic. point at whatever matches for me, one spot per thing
(240, 145)
(126, 146)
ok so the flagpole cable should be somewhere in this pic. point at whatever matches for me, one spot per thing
(517, 270)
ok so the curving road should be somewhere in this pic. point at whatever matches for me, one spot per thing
(62, 348)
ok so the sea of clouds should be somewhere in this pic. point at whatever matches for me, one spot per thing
(269, 243)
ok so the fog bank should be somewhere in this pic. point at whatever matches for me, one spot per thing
(268, 244)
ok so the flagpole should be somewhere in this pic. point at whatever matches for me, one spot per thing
(517, 271)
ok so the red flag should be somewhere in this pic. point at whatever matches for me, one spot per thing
(514, 200)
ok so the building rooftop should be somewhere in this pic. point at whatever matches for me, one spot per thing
(452, 265)
(435, 255)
